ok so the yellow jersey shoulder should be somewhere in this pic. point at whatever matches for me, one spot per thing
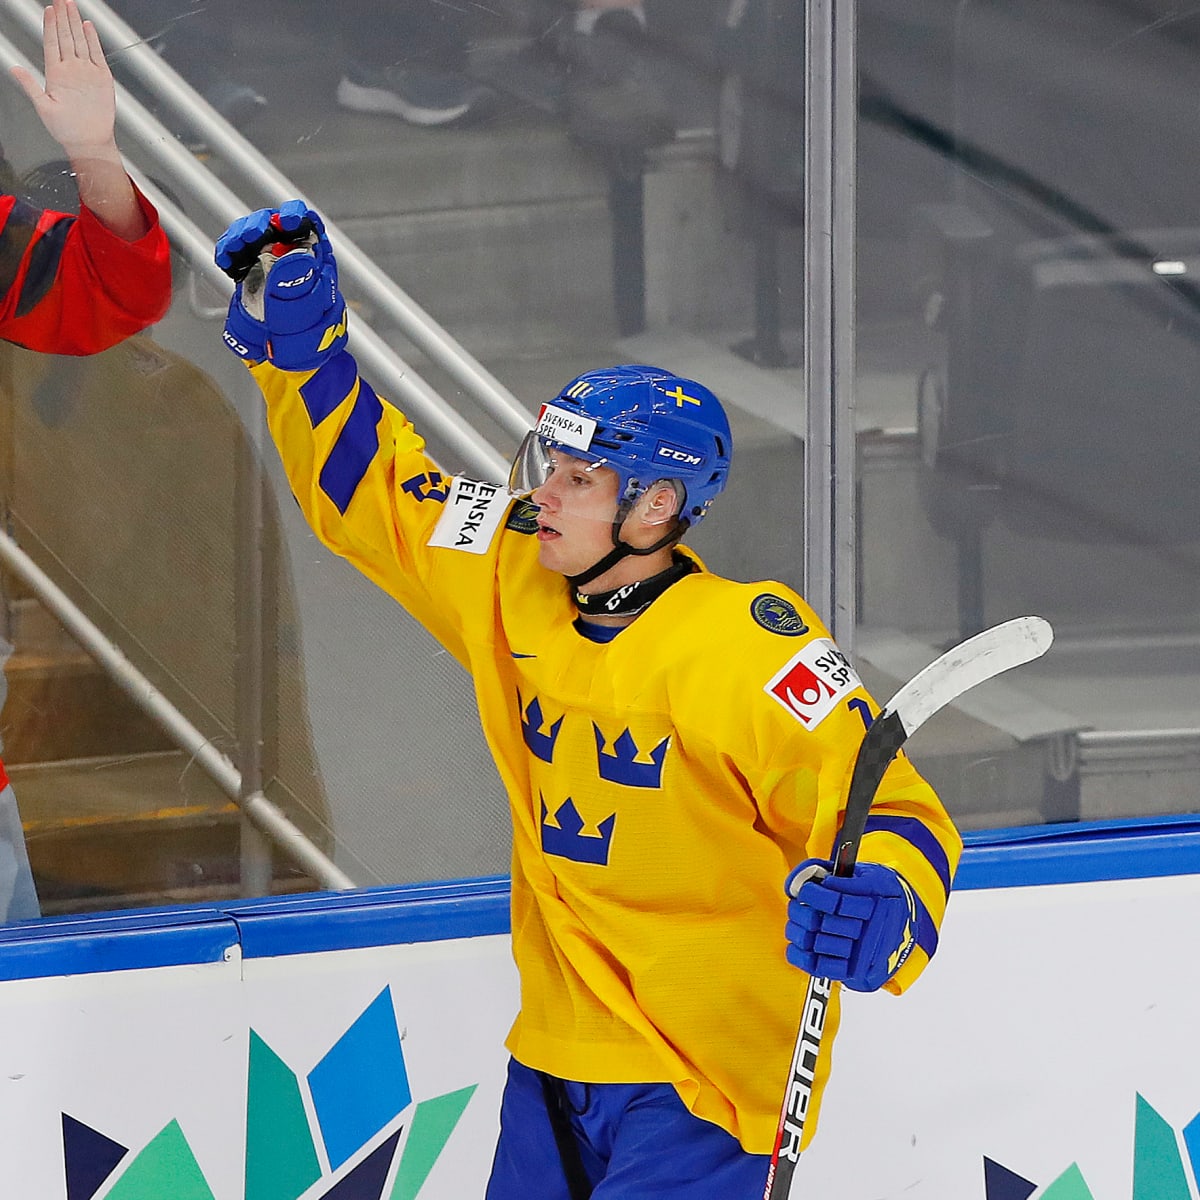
(758, 654)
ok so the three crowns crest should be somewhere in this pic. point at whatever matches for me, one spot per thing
(569, 841)
(541, 745)
(623, 762)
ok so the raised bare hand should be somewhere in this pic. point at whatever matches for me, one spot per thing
(78, 103)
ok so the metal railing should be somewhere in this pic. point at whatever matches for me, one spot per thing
(243, 786)
(272, 186)
(265, 815)
(157, 146)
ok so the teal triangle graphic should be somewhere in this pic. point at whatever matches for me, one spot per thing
(999, 1183)
(281, 1159)
(1069, 1186)
(1157, 1165)
(1191, 1139)
(432, 1125)
(165, 1168)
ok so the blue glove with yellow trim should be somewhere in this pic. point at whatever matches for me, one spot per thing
(287, 226)
(858, 929)
(286, 306)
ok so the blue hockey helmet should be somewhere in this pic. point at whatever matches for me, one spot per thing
(644, 423)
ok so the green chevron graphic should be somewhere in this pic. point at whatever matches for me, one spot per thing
(281, 1159)
(433, 1123)
(1159, 1169)
(166, 1167)
(1069, 1185)
(354, 1121)
(1158, 1172)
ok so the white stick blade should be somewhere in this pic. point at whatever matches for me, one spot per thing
(972, 662)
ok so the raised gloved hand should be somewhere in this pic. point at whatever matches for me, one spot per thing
(286, 306)
(858, 929)
(287, 226)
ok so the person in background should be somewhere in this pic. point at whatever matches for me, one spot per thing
(675, 746)
(198, 38)
(410, 60)
(79, 284)
(74, 284)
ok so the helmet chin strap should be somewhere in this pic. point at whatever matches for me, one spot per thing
(622, 550)
(635, 597)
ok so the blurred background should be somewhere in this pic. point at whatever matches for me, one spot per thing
(521, 191)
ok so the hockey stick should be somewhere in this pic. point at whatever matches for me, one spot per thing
(979, 658)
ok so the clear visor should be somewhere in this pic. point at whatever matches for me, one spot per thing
(534, 464)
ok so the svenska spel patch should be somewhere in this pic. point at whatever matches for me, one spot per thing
(567, 428)
(473, 513)
(812, 682)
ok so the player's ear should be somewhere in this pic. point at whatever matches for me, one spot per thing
(659, 503)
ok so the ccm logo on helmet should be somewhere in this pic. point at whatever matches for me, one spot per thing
(676, 454)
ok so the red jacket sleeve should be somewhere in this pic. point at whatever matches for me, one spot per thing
(71, 285)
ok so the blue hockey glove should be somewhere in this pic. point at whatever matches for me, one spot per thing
(858, 929)
(286, 306)
(240, 245)
(245, 335)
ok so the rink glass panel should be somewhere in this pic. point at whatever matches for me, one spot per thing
(1025, 400)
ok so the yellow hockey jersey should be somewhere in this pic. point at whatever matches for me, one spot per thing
(662, 784)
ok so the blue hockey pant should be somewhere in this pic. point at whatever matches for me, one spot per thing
(636, 1141)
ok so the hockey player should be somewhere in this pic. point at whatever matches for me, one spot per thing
(673, 745)
(74, 285)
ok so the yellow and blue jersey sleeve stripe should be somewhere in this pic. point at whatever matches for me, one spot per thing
(358, 442)
(918, 835)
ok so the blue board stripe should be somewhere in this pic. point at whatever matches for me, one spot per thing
(433, 912)
(1080, 853)
(115, 942)
(465, 908)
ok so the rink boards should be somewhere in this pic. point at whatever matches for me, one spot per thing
(351, 1045)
